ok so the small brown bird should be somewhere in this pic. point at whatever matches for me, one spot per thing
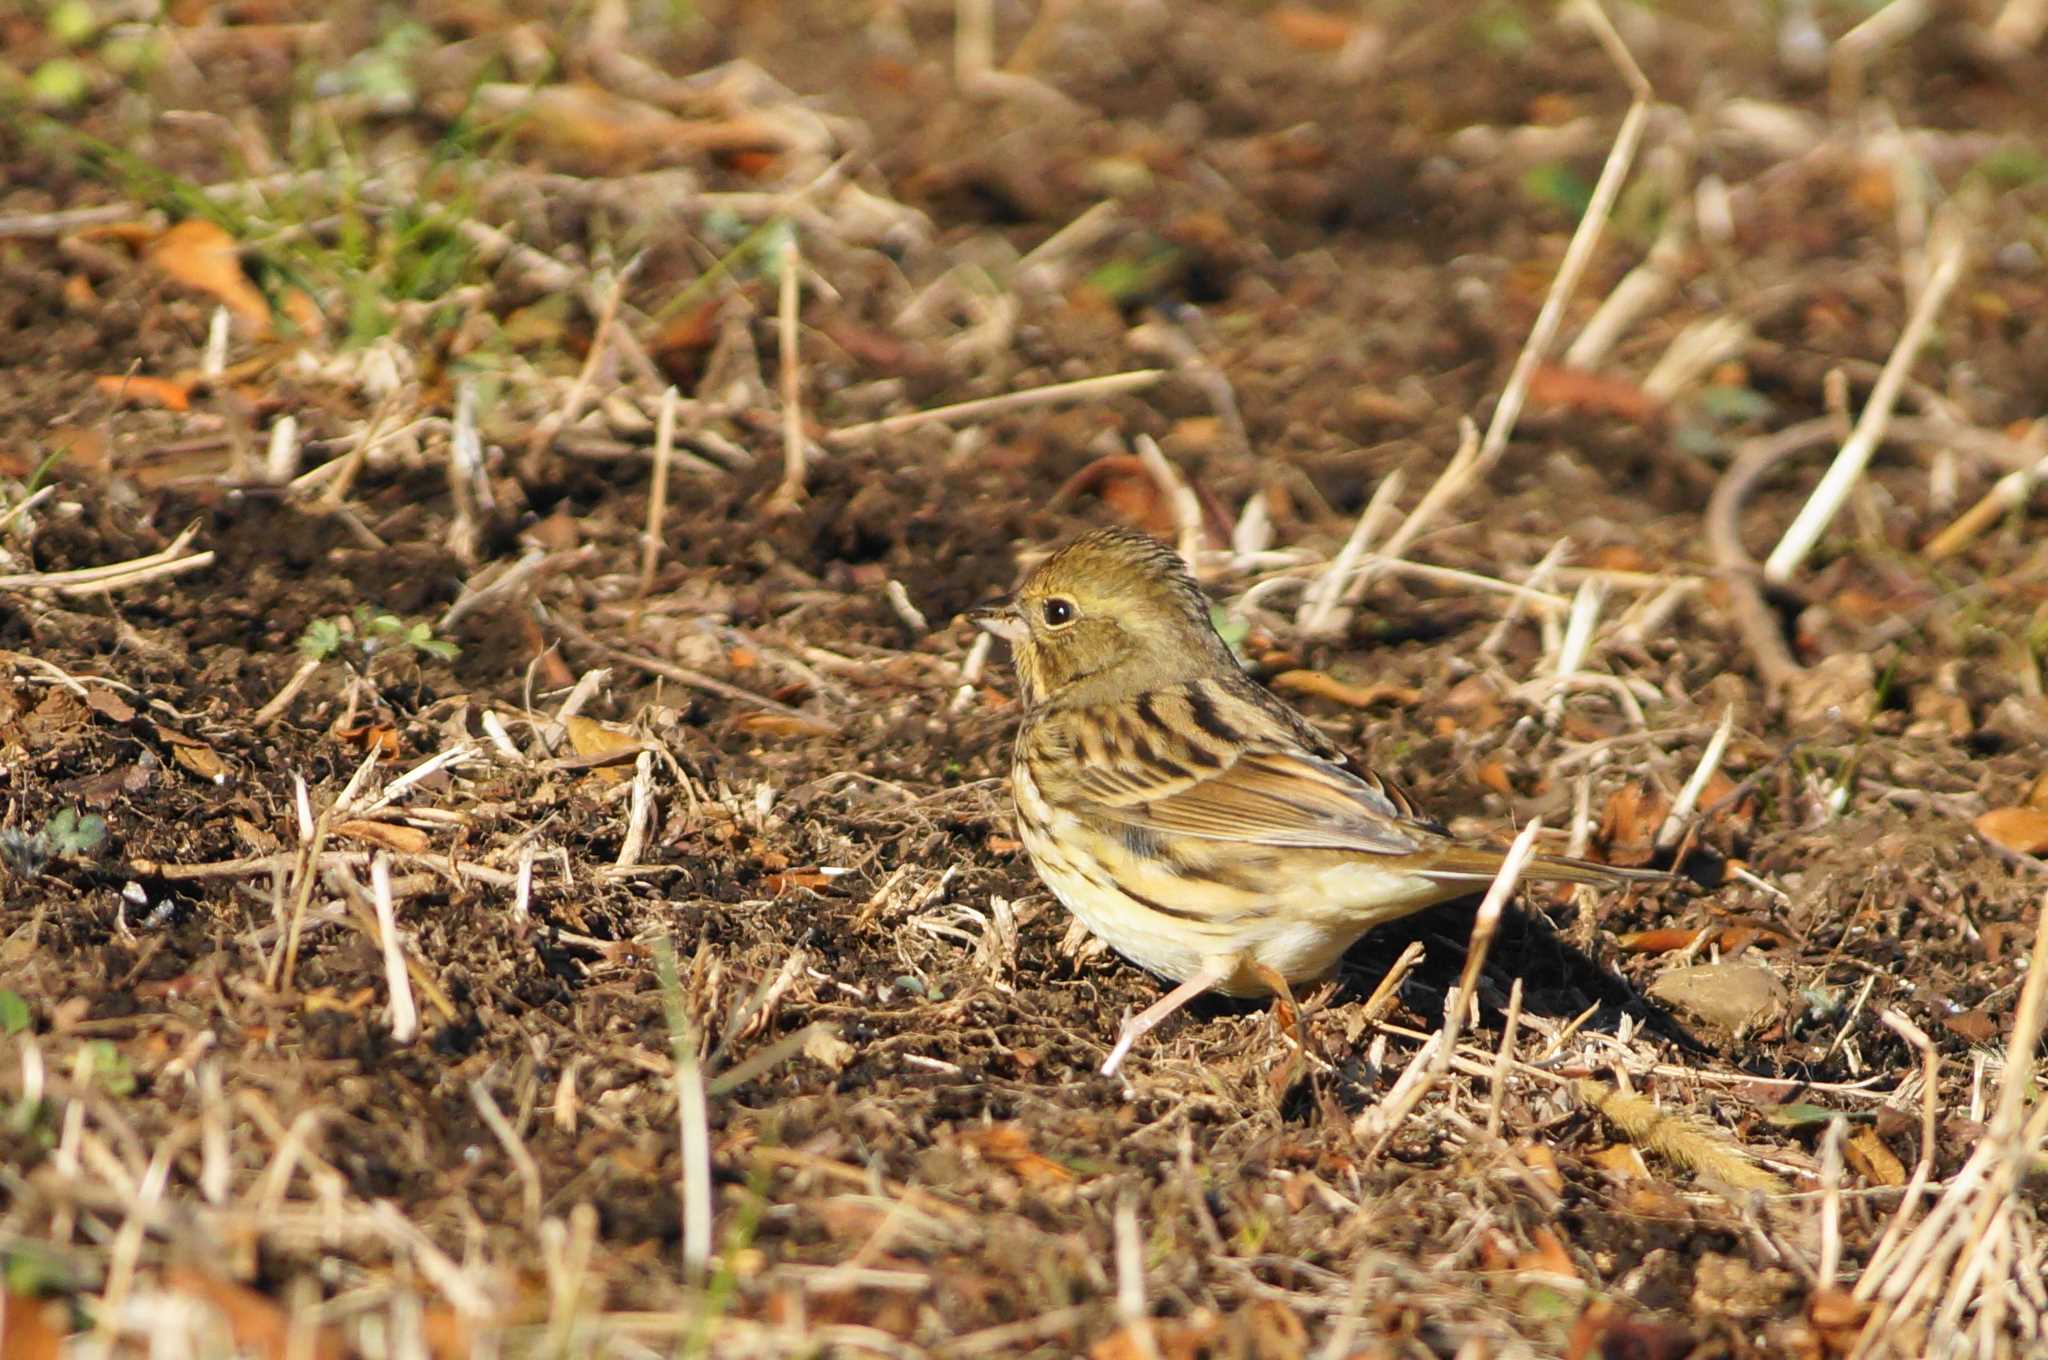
(1185, 815)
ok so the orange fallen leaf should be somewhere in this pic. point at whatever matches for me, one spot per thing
(592, 738)
(29, 1327)
(783, 725)
(1158, 1339)
(257, 1323)
(142, 391)
(195, 757)
(1593, 393)
(1548, 1255)
(1355, 696)
(371, 735)
(1871, 1159)
(1660, 941)
(1542, 1164)
(1009, 1146)
(406, 840)
(2022, 830)
(1494, 775)
(1309, 29)
(778, 884)
(1630, 822)
(1623, 1160)
(202, 256)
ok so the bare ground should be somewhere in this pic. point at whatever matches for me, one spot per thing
(742, 1026)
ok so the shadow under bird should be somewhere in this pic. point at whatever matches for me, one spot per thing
(1193, 821)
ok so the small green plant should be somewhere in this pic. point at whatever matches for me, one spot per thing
(15, 1015)
(372, 630)
(65, 836)
(110, 1068)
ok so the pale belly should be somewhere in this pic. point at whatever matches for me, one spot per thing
(1299, 926)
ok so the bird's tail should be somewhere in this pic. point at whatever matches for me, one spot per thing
(1477, 864)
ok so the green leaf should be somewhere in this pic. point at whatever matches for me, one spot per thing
(321, 639)
(1560, 187)
(111, 1067)
(15, 1015)
(70, 834)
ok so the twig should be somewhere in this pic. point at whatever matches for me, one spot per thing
(1703, 773)
(508, 1138)
(1578, 639)
(657, 496)
(680, 674)
(1077, 390)
(693, 1123)
(1820, 509)
(1180, 498)
(790, 492)
(1923, 1168)
(1130, 1280)
(405, 1016)
(1319, 611)
(1579, 253)
(282, 700)
(2007, 493)
(1387, 1119)
(115, 575)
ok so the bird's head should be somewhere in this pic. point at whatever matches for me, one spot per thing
(1112, 614)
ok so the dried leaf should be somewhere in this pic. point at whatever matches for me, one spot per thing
(782, 725)
(202, 256)
(372, 734)
(1629, 824)
(406, 840)
(1009, 1146)
(108, 704)
(1120, 482)
(1623, 1159)
(1547, 1254)
(142, 391)
(256, 1322)
(193, 756)
(29, 1327)
(1592, 393)
(1329, 687)
(1660, 941)
(1734, 997)
(1972, 1024)
(1168, 1340)
(1494, 775)
(824, 1047)
(592, 739)
(1311, 30)
(2022, 830)
(1871, 1159)
(1542, 1164)
(1838, 1316)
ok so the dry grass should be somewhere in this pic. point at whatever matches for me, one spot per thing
(656, 975)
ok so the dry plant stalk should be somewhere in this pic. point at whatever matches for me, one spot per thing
(1700, 1148)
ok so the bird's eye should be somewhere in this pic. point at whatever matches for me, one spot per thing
(1057, 612)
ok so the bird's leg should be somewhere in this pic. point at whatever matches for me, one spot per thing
(1145, 1021)
(1285, 1010)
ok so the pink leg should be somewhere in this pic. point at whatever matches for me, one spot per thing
(1145, 1021)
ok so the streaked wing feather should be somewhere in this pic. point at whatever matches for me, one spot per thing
(1241, 773)
(1280, 799)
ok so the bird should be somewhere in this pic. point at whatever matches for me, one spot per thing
(1185, 815)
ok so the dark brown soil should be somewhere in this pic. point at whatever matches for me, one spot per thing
(910, 1150)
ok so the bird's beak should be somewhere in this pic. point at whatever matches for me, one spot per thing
(998, 617)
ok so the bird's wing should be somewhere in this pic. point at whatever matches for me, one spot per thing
(1208, 763)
